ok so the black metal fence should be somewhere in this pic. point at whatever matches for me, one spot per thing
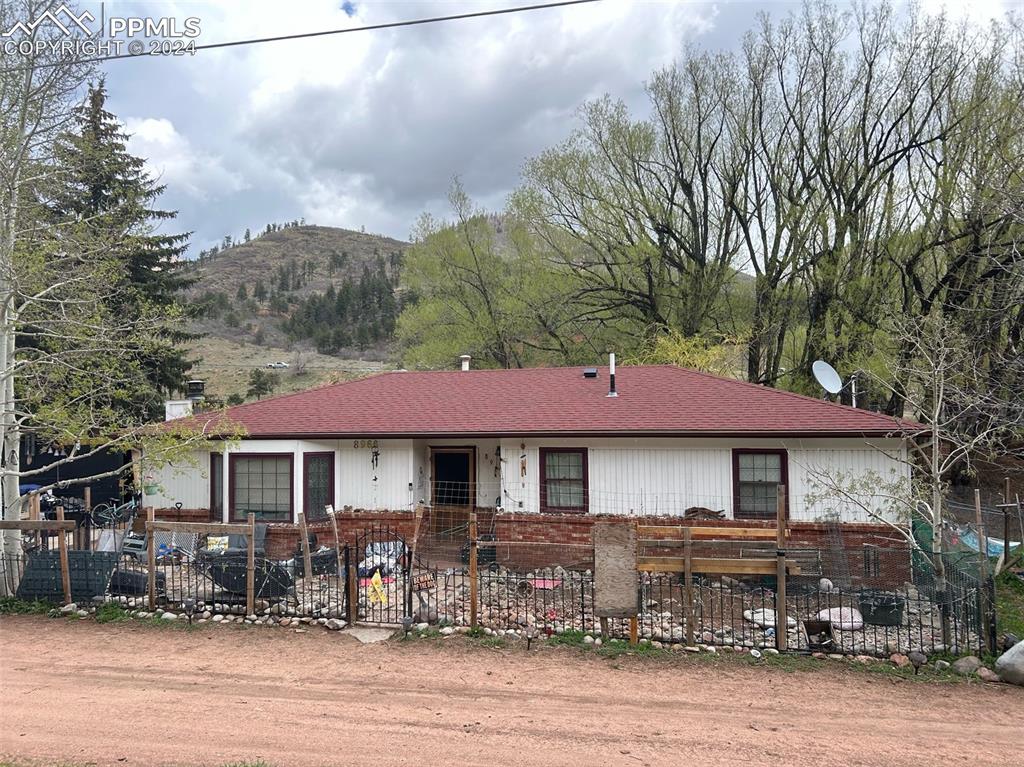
(382, 578)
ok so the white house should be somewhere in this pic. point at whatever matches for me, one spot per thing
(658, 440)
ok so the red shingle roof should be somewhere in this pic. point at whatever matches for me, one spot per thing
(654, 400)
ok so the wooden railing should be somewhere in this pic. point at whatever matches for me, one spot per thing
(653, 536)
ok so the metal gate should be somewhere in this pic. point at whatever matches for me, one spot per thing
(382, 562)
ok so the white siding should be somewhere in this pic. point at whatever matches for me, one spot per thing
(641, 481)
(810, 467)
(187, 483)
(386, 485)
(665, 476)
(626, 476)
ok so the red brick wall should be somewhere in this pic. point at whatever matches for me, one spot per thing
(182, 515)
(565, 539)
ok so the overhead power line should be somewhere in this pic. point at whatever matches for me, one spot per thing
(325, 33)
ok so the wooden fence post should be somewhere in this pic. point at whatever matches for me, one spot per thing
(986, 607)
(1006, 522)
(151, 555)
(474, 585)
(307, 560)
(351, 583)
(781, 614)
(250, 567)
(87, 527)
(634, 630)
(407, 596)
(688, 584)
(62, 544)
(34, 514)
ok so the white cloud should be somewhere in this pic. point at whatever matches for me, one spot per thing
(171, 157)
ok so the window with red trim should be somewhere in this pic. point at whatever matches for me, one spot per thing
(563, 479)
(757, 475)
(261, 483)
(317, 484)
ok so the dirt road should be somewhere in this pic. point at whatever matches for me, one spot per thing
(128, 694)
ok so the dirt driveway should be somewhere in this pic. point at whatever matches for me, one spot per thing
(125, 694)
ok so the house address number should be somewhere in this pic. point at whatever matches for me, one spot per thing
(372, 444)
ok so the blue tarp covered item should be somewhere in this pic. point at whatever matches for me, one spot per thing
(994, 546)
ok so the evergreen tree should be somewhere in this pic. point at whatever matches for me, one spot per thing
(242, 294)
(261, 383)
(260, 291)
(247, 236)
(109, 191)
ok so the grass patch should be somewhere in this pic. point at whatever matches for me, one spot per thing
(1009, 604)
(14, 606)
(429, 633)
(614, 648)
(109, 612)
(494, 642)
(571, 638)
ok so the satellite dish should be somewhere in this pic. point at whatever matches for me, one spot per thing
(827, 376)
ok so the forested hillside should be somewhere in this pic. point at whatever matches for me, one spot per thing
(322, 299)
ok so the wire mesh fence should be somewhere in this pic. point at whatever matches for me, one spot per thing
(877, 597)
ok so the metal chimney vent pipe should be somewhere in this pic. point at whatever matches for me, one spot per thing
(465, 361)
(611, 376)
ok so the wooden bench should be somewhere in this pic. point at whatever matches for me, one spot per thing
(809, 560)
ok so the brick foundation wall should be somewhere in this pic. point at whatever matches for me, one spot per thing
(182, 515)
(548, 540)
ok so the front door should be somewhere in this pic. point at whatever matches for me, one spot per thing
(453, 488)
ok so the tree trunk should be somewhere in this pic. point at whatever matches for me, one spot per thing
(938, 561)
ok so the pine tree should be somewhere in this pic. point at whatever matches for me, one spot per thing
(109, 191)
(260, 291)
(247, 236)
(242, 294)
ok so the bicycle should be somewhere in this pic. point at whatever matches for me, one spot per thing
(111, 515)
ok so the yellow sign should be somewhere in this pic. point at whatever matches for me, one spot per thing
(377, 592)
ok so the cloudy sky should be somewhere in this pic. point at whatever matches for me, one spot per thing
(368, 129)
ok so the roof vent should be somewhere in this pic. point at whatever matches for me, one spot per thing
(465, 361)
(590, 372)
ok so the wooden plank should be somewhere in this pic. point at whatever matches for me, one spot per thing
(87, 529)
(473, 582)
(35, 514)
(701, 532)
(983, 568)
(688, 586)
(250, 567)
(307, 560)
(151, 557)
(351, 583)
(65, 572)
(417, 519)
(781, 617)
(634, 630)
(714, 566)
(200, 528)
(337, 543)
(50, 525)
